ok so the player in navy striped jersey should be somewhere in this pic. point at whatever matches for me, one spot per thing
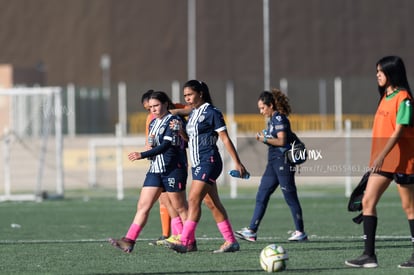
(167, 172)
(205, 125)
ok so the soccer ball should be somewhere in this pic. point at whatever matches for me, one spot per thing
(273, 258)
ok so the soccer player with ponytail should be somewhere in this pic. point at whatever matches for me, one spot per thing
(392, 155)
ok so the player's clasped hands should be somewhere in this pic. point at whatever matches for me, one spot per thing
(134, 156)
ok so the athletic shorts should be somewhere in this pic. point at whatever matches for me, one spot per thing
(388, 175)
(398, 177)
(404, 178)
(207, 171)
(173, 181)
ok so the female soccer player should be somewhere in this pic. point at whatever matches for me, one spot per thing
(275, 106)
(167, 172)
(165, 205)
(205, 125)
(163, 200)
(392, 155)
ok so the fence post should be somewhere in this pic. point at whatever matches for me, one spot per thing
(122, 107)
(348, 162)
(92, 163)
(119, 166)
(71, 110)
(175, 91)
(232, 132)
(284, 85)
(6, 160)
(323, 109)
(338, 103)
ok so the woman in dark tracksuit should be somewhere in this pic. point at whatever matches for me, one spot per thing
(279, 171)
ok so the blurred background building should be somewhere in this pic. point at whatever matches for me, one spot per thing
(149, 44)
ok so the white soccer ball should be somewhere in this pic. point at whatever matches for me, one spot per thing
(273, 258)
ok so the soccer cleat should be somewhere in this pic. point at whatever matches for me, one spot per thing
(160, 241)
(173, 239)
(408, 264)
(228, 247)
(180, 248)
(125, 244)
(246, 234)
(298, 236)
(363, 261)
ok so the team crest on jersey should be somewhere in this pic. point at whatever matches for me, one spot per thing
(162, 130)
(201, 118)
(278, 118)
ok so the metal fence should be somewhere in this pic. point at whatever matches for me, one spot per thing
(313, 101)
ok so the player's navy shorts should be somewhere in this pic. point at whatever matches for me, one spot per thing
(398, 177)
(208, 171)
(172, 181)
(403, 178)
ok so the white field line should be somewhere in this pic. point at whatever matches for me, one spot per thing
(311, 237)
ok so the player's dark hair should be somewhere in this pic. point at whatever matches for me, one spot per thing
(277, 99)
(394, 70)
(163, 98)
(146, 96)
(201, 88)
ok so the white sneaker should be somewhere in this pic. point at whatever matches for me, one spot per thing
(246, 234)
(298, 236)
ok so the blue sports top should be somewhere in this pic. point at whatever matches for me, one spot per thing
(203, 126)
(278, 123)
(165, 156)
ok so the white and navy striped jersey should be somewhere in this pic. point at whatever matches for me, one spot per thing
(165, 155)
(203, 126)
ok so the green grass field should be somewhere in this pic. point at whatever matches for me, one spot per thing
(69, 236)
